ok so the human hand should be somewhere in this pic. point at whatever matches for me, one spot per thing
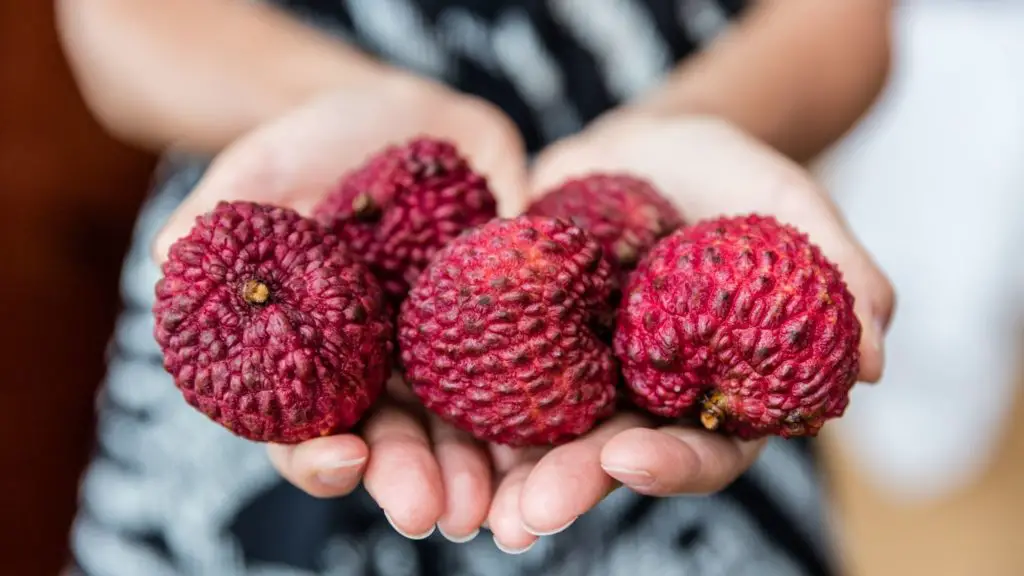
(707, 168)
(421, 473)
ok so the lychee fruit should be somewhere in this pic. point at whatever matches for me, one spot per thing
(497, 335)
(269, 327)
(403, 204)
(626, 214)
(742, 322)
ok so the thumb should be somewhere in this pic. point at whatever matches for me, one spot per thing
(809, 209)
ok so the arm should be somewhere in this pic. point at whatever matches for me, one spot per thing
(795, 73)
(197, 73)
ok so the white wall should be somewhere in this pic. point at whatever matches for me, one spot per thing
(933, 183)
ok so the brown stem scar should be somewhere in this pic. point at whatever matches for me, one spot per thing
(255, 292)
(713, 411)
(625, 253)
(363, 207)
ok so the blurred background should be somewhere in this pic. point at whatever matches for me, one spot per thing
(926, 473)
(68, 196)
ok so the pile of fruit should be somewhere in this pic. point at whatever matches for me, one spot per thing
(521, 331)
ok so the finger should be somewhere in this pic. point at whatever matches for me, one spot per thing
(569, 480)
(402, 475)
(323, 467)
(466, 475)
(504, 519)
(673, 460)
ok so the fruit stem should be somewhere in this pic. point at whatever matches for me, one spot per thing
(625, 253)
(255, 292)
(363, 207)
(713, 411)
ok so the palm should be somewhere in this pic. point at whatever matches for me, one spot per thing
(424, 473)
(295, 159)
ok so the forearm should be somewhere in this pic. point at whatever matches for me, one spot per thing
(797, 74)
(195, 74)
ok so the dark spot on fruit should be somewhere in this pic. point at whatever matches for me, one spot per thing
(357, 313)
(761, 352)
(712, 255)
(531, 325)
(558, 296)
(548, 246)
(528, 234)
(473, 325)
(485, 301)
(722, 301)
(650, 320)
(660, 359)
(797, 335)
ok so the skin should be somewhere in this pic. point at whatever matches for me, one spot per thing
(294, 110)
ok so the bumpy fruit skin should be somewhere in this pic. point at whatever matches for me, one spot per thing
(496, 336)
(626, 214)
(269, 327)
(403, 204)
(742, 322)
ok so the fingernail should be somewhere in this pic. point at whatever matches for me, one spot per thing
(634, 478)
(513, 551)
(409, 536)
(458, 539)
(550, 533)
(337, 472)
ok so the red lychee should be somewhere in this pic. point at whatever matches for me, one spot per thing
(269, 327)
(403, 204)
(743, 322)
(626, 214)
(497, 336)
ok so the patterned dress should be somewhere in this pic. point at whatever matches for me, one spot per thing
(170, 493)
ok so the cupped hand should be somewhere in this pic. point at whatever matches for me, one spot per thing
(421, 473)
(708, 168)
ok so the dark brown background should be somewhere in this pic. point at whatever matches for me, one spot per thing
(68, 195)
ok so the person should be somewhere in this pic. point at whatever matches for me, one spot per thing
(719, 103)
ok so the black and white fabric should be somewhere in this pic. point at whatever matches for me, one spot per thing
(170, 493)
